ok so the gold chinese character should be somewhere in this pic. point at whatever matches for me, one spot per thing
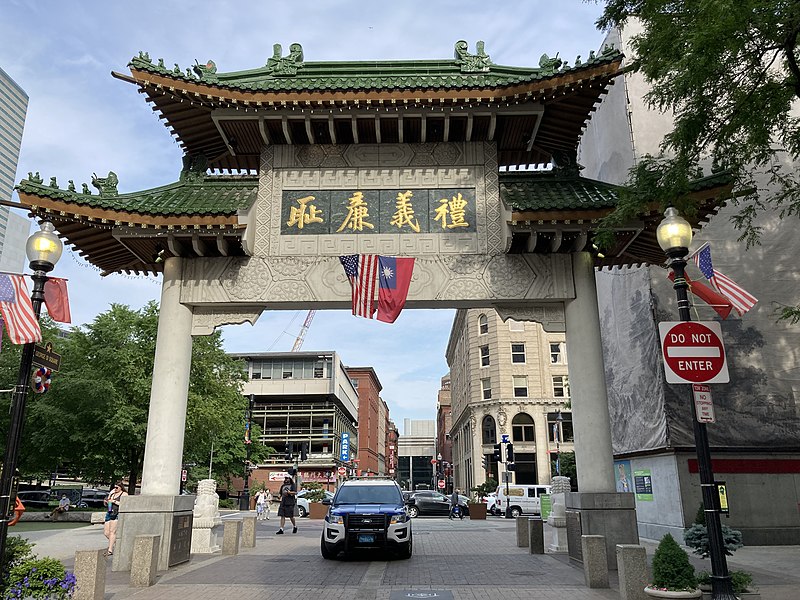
(405, 212)
(298, 215)
(455, 209)
(357, 213)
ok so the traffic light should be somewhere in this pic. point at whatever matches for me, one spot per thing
(485, 462)
(289, 452)
(304, 451)
(498, 455)
(510, 453)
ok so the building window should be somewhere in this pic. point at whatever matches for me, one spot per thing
(489, 431)
(483, 325)
(518, 353)
(355, 383)
(516, 325)
(520, 386)
(486, 388)
(560, 386)
(563, 427)
(484, 356)
(556, 357)
(522, 428)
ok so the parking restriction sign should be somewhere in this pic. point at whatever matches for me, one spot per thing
(703, 407)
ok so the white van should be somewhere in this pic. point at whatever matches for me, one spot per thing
(520, 499)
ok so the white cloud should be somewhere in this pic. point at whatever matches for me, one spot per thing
(81, 120)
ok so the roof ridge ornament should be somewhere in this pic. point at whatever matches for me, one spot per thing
(565, 163)
(107, 186)
(548, 65)
(472, 63)
(194, 168)
(278, 65)
(206, 72)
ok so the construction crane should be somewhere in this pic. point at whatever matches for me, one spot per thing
(302, 335)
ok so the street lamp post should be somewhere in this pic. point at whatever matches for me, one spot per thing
(244, 499)
(674, 235)
(43, 249)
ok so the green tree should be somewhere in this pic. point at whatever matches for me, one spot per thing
(729, 72)
(568, 467)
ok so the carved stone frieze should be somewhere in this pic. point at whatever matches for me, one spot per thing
(502, 417)
(550, 316)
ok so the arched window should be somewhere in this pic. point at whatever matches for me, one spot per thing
(489, 430)
(522, 428)
(483, 325)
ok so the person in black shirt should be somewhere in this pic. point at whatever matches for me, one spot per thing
(288, 499)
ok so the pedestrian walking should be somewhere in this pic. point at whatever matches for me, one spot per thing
(455, 505)
(288, 502)
(263, 498)
(112, 514)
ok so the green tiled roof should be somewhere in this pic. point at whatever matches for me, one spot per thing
(206, 195)
(555, 191)
(285, 74)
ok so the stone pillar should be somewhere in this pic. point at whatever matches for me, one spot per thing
(249, 532)
(145, 560)
(601, 510)
(522, 532)
(169, 393)
(231, 532)
(90, 575)
(542, 444)
(594, 458)
(595, 563)
(632, 565)
(535, 536)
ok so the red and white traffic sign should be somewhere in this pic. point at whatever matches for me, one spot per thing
(703, 407)
(341, 471)
(693, 352)
(433, 461)
(441, 484)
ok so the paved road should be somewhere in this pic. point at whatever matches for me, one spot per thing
(470, 560)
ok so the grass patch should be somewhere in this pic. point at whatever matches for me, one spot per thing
(26, 526)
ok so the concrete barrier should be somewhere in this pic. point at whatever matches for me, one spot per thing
(595, 561)
(522, 532)
(144, 563)
(249, 532)
(90, 575)
(230, 537)
(535, 536)
(632, 568)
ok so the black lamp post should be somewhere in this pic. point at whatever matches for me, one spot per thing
(674, 235)
(244, 499)
(43, 249)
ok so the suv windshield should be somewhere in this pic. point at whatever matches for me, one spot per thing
(372, 494)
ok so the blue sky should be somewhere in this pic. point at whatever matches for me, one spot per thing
(81, 120)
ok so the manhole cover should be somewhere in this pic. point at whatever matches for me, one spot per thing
(437, 594)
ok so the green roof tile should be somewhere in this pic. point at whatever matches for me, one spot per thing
(552, 190)
(206, 195)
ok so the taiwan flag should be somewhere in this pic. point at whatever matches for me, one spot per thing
(395, 277)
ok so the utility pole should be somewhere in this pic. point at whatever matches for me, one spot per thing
(244, 499)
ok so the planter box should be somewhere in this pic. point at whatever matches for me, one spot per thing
(317, 510)
(740, 595)
(477, 511)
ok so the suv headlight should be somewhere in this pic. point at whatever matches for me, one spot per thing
(401, 518)
(335, 519)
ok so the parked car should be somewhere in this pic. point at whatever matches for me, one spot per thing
(302, 502)
(427, 502)
(35, 498)
(491, 503)
(521, 499)
(367, 514)
(93, 498)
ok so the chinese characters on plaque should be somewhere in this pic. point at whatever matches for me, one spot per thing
(409, 211)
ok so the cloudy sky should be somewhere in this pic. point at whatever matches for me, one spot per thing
(81, 120)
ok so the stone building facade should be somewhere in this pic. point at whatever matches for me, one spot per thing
(506, 378)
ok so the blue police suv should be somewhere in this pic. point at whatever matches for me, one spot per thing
(367, 514)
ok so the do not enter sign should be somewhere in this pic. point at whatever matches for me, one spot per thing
(693, 352)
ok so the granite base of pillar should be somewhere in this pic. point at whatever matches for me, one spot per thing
(167, 516)
(610, 514)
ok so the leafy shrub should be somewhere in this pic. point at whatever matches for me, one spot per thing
(18, 550)
(486, 488)
(671, 568)
(742, 581)
(696, 537)
(39, 578)
(315, 493)
(228, 503)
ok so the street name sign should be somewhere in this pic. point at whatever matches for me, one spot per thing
(43, 356)
(703, 407)
(693, 352)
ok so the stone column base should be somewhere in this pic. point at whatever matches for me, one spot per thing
(610, 514)
(167, 516)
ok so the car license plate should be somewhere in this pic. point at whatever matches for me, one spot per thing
(366, 538)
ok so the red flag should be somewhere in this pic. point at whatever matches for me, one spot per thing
(20, 320)
(395, 277)
(714, 299)
(57, 300)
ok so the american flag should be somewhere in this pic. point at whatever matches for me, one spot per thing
(15, 304)
(362, 271)
(741, 299)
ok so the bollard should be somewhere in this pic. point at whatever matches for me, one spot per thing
(144, 563)
(632, 565)
(230, 537)
(595, 562)
(535, 536)
(90, 575)
(522, 532)
(249, 532)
